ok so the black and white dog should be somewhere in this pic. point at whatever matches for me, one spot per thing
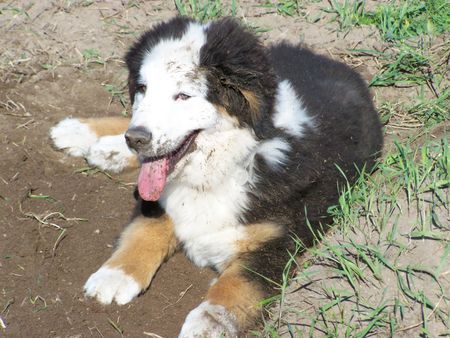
(238, 146)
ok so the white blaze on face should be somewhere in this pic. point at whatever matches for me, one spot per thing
(168, 69)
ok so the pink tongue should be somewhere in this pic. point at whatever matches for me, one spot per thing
(152, 179)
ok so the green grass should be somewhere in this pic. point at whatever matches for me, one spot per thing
(397, 20)
(421, 112)
(410, 19)
(408, 67)
(283, 7)
(408, 27)
(347, 13)
(14, 11)
(205, 10)
(121, 28)
(91, 55)
(117, 92)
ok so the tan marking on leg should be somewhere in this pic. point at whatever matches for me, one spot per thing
(258, 234)
(143, 246)
(103, 126)
(253, 102)
(238, 295)
(133, 162)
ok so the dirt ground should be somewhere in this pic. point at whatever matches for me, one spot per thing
(58, 218)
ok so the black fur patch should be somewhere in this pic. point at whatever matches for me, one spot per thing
(235, 61)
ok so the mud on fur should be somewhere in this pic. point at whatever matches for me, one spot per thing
(240, 147)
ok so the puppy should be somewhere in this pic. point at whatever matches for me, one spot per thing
(241, 149)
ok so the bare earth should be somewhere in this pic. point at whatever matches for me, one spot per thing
(59, 219)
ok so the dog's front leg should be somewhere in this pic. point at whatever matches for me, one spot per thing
(100, 140)
(143, 246)
(232, 303)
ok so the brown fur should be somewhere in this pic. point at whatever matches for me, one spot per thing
(239, 295)
(259, 234)
(143, 246)
(103, 126)
(133, 162)
(254, 104)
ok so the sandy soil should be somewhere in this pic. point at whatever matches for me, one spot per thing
(57, 59)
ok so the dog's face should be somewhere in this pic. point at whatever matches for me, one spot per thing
(188, 108)
(170, 100)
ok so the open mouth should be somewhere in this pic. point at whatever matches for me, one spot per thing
(154, 170)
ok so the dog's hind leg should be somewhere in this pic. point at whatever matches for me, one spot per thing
(100, 140)
(143, 246)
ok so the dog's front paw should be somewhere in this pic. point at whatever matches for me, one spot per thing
(74, 136)
(209, 321)
(108, 284)
(110, 153)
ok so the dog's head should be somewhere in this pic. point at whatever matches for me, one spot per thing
(196, 89)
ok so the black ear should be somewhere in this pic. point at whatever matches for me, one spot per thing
(240, 75)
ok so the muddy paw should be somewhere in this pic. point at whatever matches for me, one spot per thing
(209, 321)
(73, 136)
(109, 284)
(110, 153)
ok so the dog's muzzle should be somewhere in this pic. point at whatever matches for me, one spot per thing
(138, 138)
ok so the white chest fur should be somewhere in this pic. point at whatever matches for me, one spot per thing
(207, 223)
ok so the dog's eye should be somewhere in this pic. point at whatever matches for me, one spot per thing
(141, 88)
(181, 96)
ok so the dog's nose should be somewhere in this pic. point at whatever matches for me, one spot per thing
(138, 138)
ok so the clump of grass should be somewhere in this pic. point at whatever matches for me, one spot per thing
(91, 55)
(348, 13)
(117, 92)
(410, 59)
(283, 7)
(430, 174)
(15, 11)
(121, 28)
(410, 18)
(406, 25)
(204, 10)
(422, 112)
(431, 112)
(397, 20)
(406, 68)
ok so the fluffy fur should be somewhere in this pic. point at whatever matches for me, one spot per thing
(271, 127)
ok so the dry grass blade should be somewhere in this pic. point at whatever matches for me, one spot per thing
(116, 326)
(45, 218)
(150, 334)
